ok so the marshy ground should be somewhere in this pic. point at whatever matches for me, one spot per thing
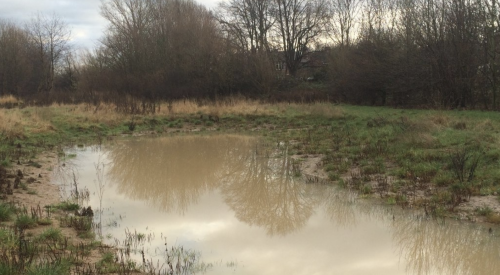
(443, 162)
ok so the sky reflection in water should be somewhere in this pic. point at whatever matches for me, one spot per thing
(236, 200)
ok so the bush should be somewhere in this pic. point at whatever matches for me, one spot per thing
(464, 162)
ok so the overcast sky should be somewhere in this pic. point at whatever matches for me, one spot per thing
(81, 16)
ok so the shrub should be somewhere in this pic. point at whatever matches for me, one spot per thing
(464, 162)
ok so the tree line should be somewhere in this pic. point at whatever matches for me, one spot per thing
(408, 53)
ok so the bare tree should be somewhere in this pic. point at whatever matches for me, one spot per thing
(15, 66)
(248, 20)
(50, 35)
(490, 69)
(344, 18)
(298, 24)
(159, 49)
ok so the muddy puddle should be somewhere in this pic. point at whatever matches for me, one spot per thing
(239, 206)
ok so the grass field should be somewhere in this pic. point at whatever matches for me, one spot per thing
(432, 159)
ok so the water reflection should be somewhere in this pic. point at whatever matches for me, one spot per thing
(446, 247)
(172, 173)
(256, 181)
(263, 191)
(210, 189)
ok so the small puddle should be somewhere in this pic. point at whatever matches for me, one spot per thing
(239, 205)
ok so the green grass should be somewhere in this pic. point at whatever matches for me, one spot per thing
(67, 206)
(7, 239)
(24, 221)
(414, 146)
(484, 211)
(62, 267)
(50, 234)
(419, 143)
(6, 212)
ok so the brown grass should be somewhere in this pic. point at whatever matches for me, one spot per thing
(15, 122)
(239, 106)
(484, 125)
(224, 107)
(104, 113)
(9, 99)
(493, 218)
(440, 119)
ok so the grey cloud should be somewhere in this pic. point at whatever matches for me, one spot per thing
(82, 16)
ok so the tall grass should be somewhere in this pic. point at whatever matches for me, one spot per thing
(9, 100)
(15, 123)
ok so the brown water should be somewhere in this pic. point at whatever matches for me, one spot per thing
(240, 204)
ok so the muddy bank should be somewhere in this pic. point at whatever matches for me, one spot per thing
(34, 188)
(28, 185)
(313, 171)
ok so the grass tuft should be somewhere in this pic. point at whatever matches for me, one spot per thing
(50, 234)
(67, 206)
(24, 221)
(6, 212)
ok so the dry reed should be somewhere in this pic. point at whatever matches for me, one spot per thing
(15, 122)
(9, 99)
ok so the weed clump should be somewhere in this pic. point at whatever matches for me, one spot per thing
(50, 234)
(67, 206)
(464, 163)
(6, 212)
(23, 221)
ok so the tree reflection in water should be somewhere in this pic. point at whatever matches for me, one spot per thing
(172, 173)
(431, 247)
(263, 191)
(255, 181)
